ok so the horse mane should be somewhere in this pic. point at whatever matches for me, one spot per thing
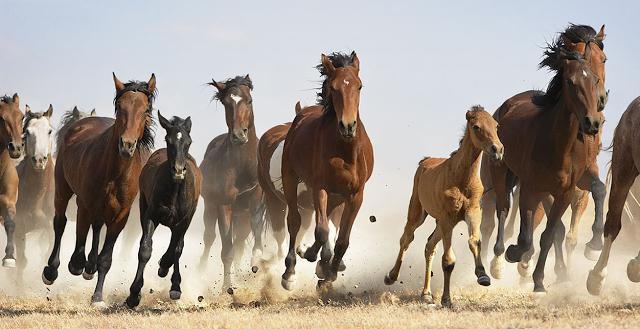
(555, 52)
(146, 142)
(338, 59)
(6, 99)
(231, 84)
(31, 116)
(67, 119)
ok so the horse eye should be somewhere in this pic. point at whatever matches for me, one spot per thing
(360, 87)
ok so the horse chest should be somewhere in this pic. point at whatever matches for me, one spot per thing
(344, 175)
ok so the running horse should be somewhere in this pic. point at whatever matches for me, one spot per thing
(10, 148)
(327, 148)
(232, 196)
(99, 160)
(34, 207)
(539, 132)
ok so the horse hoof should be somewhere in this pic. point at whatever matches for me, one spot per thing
(9, 263)
(320, 270)
(101, 305)
(539, 294)
(342, 266)
(323, 286)
(446, 302)
(87, 276)
(301, 250)
(484, 280)
(162, 272)
(49, 275)
(497, 266)
(595, 281)
(175, 294)
(75, 271)
(133, 302)
(288, 284)
(524, 269)
(591, 254)
(427, 299)
(388, 280)
(633, 270)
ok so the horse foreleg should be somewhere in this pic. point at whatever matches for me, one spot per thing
(144, 254)
(448, 262)
(92, 260)
(499, 177)
(488, 224)
(578, 206)
(9, 213)
(276, 212)
(105, 258)
(176, 278)
(225, 226)
(598, 193)
(50, 272)
(78, 259)
(473, 218)
(320, 202)
(351, 209)
(429, 252)
(210, 218)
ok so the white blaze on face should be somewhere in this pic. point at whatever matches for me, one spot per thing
(39, 139)
(346, 82)
(236, 98)
(179, 136)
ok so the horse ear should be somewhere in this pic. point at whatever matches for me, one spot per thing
(49, 111)
(470, 115)
(355, 61)
(75, 110)
(16, 99)
(27, 109)
(187, 124)
(93, 112)
(152, 83)
(326, 63)
(118, 83)
(601, 35)
(219, 85)
(164, 122)
(298, 108)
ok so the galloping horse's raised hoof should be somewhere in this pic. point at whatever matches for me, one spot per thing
(133, 302)
(324, 286)
(162, 272)
(322, 269)
(87, 276)
(49, 275)
(175, 294)
(591, 254)
(342, 266)
(524, 269)
(484, 280)
(513, 254)
(497, 266)
(101, 305)
(9, 263)
(289, 283)
(388, 280)
(633, 270)
(595, 281)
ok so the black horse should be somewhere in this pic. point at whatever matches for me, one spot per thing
(169, 192)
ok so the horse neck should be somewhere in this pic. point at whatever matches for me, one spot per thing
(349, 149)
(466, 161)
(564, 126)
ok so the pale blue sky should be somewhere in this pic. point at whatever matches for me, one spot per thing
(423, 62)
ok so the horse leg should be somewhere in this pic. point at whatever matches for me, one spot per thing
(560, 204)
(167, 260)
(176, 278)
(257, 222)
(623, 173)
(210, 218)
(225, 226)
(105, 258)
(241, 231)
(290, 188)
(9, 213)
(21, 238)
(320, 202)
(500, 177)
(78, 259)
(91, 266)
(351, 209)
(63, 194)
(525, 266)
(415, 217)
(326, 253)
(473, 218)
(598, 193)
(578, 206)
(276, 211)
(488, 223)
(529, 203)
(144, 253)
(448, 263)
(429, 252)
(511, 222)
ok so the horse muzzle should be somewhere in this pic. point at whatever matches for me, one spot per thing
(179, 173)
(496, 151)
(347, 130)
(127, 148)
(239, 138)
(15, 149)
(590, 125)
(39, 162)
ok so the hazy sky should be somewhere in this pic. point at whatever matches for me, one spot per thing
(423, 63)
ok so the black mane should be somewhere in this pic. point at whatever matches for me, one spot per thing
(6, 99)
(31, 116)
(555, 52)
(231, 85)
(338, 60)
(146, 142)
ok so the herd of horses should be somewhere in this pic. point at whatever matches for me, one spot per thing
(540, 147)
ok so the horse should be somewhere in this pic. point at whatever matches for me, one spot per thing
(328, 149)
(70, 117)
(449, 189)
(539, 132)
(576, 38)
(270, 147)
(232, 196)
(624, 170)
(11, 147)
(34, 206)
(169, 192)
(99, 160)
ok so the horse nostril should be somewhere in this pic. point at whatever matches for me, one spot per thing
(494, 149)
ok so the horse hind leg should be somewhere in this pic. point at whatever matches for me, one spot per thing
(91, 266)
(276, 212)
(210, 219)
(594, 246)
(63, 194)
(258, 222)
(78, 260)
(9, 213)
(448, 263)
(105, 259)
(429, 253)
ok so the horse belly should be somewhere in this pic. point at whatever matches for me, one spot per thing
(275, 171)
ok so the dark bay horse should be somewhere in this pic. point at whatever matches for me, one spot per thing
(99, 160)
(34, 207)
(169, 192)
(576, 38)
(539, 132)
(328, 149)
(10, 148)
(232, 196)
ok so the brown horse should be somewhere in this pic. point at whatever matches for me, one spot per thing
(328, 149)
(10, 148)
(625, 165)
(270, 149)
(450, 191)
(539, 133)
(34, 207)
(232, 196)
(99, 160)
(576, 38)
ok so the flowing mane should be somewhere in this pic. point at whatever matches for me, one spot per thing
(231, 85)
(146, 142)
(338, 60)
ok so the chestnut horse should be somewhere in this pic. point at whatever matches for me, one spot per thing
(625, 165)
(450, 191)
(10, 148)
(327, 148)
(270, 149)
(99, 160)
(539, 133)
(34, 207)
(169, 192)
(231, 193)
